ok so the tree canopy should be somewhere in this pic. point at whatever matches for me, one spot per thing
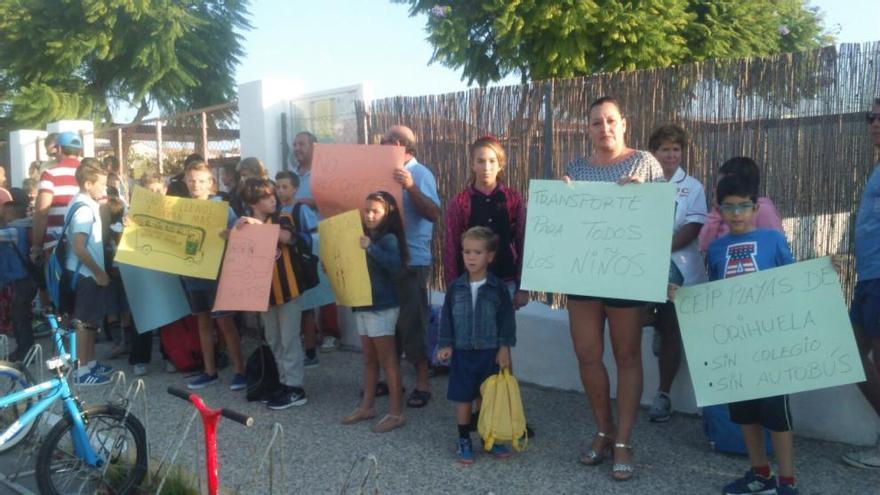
(84, 58)
(542, 39)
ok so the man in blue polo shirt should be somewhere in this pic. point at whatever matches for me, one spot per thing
(421, 208)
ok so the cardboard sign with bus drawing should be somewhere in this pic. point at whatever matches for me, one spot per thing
(174, 235)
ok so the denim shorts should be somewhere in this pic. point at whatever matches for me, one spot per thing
(468, 370)
(89, 302)
(376, 323)
(202, 301)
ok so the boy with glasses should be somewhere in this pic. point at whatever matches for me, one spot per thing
(747, 249)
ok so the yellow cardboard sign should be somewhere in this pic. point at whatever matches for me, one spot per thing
(344, 259)
(174, 235)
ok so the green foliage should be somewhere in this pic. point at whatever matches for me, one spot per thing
(541, 39)
(83, 58)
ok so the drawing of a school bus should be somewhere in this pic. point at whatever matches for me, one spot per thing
(172, 238)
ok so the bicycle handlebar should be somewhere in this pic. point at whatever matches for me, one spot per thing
(226, 413)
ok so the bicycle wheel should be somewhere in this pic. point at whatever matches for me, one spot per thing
(14, 379)
(119, 439)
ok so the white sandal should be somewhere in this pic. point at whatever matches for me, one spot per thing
(622, 471)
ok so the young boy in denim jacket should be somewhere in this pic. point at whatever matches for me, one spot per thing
(477, 329)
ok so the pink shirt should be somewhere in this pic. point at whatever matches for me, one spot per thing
(766, 218)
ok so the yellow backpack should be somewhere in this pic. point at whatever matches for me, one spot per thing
(501, 414)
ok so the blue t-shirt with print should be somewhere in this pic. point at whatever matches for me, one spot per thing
(417, 228)
(739, 254)
(868, 230)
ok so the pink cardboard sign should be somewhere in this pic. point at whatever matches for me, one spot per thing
(343, 175)
(246, 273)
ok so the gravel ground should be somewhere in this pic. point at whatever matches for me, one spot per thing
(317, 452)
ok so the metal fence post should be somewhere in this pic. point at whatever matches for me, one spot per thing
(119, 158)
(548, 129)
(204, 124)
(159, 145)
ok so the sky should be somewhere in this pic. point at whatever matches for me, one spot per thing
(331, 43)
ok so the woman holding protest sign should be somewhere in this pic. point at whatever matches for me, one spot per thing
(611, 160)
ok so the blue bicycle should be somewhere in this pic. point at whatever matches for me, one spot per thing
(92, 449)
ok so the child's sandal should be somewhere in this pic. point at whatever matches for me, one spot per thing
(359, 415)
(389, 422)
(622, 471)
(593, 458)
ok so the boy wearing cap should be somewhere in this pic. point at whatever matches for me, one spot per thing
(57, 188)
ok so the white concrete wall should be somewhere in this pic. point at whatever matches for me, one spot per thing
(23, 151)
(85, 128)
(260, 106)
(544, 356)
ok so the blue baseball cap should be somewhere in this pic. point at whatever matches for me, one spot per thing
(69, 140)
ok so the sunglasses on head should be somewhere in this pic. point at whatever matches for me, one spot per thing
(871, 117)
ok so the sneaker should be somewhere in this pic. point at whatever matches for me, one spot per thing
(864, 459)
(465, 451)
(786, 490)
(656, 342)
(239, 382)
(500, 451)
(102, 369)
(169, 367)
(140, 370)
(202, 381)
(661, 408)
(292, 396)
(329, 344)
(92, 378)
(311, 362)
(751, 484)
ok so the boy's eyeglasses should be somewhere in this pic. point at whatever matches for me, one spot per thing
(872, 116)
(737, 209)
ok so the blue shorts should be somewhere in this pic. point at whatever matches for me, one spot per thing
(89, 302)
(202, 301)
(865, 309)
(468, 370)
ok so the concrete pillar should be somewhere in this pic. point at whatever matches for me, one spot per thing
(260, 108)
(84, 128)
(23, 145)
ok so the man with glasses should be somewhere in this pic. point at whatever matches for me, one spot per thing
(57, 188)
(318, 303)
(421, 208)
(865, 308)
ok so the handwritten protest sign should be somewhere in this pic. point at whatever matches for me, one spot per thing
(174, 235)
(343, 175)
(599, 239)
(768, 333)
(155, 298)
(246, 277)
(344, 260)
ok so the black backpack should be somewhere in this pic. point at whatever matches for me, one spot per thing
(262, 374)
(305, 265)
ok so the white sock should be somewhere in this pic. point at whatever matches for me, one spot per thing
(91, 364)
(82, 371)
